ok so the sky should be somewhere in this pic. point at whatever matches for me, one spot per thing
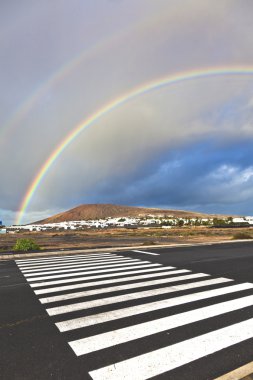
(184, 146)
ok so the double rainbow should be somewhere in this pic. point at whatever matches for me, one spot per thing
(109, 107)
(84, 56)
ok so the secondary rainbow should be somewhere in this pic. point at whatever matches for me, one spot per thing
(54, 79)
(62, 72)
(119, 101)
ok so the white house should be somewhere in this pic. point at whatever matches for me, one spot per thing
(239, 220)
(249, 219)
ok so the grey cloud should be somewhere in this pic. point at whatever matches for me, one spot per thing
(136, 41)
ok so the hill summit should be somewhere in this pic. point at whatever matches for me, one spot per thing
(103, 211)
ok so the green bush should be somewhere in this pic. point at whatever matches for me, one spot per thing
(25, 245)
(242, 235)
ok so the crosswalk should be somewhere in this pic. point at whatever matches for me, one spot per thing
(104, 303)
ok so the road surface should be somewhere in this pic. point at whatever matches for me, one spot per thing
(181, 313)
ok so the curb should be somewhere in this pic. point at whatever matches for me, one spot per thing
(115, 249)
(239, 373)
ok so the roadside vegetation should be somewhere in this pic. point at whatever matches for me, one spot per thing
(242, 235)
(24, 245)
(113, 237)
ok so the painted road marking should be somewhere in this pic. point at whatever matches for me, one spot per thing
(165, 359)
(47, 283)
(86, 277)
(86, 293)
(136, 265)
(112, 281)
(64, 262)
(73, 262)
(147, 253)
(112, 315)
(56, 258)
(131, 296)
(112, 338)
(60, 269)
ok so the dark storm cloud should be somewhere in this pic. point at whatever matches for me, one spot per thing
(203, 177)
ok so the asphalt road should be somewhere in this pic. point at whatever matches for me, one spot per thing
(181, 313)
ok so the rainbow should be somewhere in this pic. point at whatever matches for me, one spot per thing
(109, 107)
(53, 80)
(62, 72)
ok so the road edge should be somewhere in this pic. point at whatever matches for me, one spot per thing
(115, 249)
(238, 374)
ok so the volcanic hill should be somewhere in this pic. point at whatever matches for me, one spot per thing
(103, 211)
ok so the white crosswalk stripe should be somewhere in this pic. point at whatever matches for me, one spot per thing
(121, 287)
(111, 281)
(81, 278)
(113, 269)
(71, 262)
(131, 296)
(126, 288)
(148, 307)
(84, 266)
(76, 262)
(59, 258)
(98, 342)
(165, 359)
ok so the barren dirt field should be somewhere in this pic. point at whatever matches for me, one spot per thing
(124, 237)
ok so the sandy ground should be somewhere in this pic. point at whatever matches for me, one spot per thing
(122, 237)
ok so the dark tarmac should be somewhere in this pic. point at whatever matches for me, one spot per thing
(33, 347)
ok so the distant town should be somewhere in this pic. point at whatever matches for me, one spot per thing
(133, 222)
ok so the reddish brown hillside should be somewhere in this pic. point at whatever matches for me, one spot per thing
(102, 211)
